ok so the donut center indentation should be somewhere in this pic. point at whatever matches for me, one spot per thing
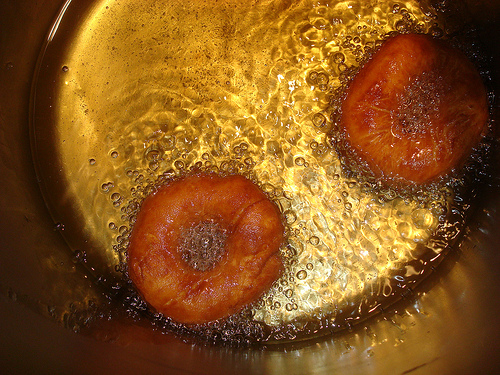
(203, 245)
(418, 106)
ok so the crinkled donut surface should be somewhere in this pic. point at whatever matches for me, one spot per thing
(415, 110)
(204, 246)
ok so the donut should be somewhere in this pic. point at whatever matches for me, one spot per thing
(415, 111)
(204, 246)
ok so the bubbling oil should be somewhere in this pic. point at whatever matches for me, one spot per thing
(250, 90)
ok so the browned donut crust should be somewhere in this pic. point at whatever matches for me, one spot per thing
(416, 110)
(204, 246)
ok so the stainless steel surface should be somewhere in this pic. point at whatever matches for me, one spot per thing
(451, 328)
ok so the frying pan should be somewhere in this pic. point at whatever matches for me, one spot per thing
(450, 327)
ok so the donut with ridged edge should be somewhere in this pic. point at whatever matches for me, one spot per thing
(204, 246)
(415, 110)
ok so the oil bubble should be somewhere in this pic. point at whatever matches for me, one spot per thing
(311, 36)
(290, 217)
(154, 165)
(313, 76)
(153, 154)
(314, 240)
(436, 31)
(268, 189)
(249, 161)
(179, 164)
(401, 26)
(338, 58)
(322, 79)
(274, 148)
(319, 120)
(169, 174)
(169, 142)
(422, 218)
(92, 161)
(300, 161)
(301, 275)
(107, 186)
(65, 68)
(405, 230)
(114, 154)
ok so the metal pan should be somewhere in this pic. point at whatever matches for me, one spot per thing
(450, 327)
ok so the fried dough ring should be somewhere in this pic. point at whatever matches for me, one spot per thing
(204, 246)
(415, 110)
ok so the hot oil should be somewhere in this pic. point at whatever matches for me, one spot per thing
(251, 89)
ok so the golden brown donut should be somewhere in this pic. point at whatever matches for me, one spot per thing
(204, 246)
(415, 110)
